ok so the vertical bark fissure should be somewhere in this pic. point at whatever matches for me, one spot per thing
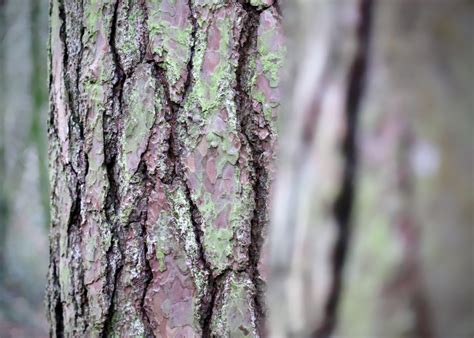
(148, 271)
(58, 308)
(190, 65)
(53, 288)
(175, 173)
(83, 157)
(178, 175)
(260, 171)
(208, 304)
(149, 182)
(110, 130)
(345, 199)
(72, 227)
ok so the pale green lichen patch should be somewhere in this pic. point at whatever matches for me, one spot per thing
(217, 165)
(234, 312)
(64, 278)
(163, 239)
(142, 102)
(210, 4)
(261, 3)
(269, 59)
(170, 34)
(129, 36)
(160, 256)
(96, 180)
(127, 322)
(218, 243)
(223, 195)
(184, 226)
(98, 19)
(215, 62)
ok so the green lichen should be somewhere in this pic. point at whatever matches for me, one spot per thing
(182, 219)
(218, 244)
(163, 238)
(92, 16)
(127, 319)
(269, 60)
(170, 43)
(208, 208)
(140, 118)
(64, 275)
(267, 108)
(95, 21)
(160, 256)
(211, 4)
(216, 91)
(242, 207)
(259, 3)
(272, 57)
(235, 316)
(143, 103)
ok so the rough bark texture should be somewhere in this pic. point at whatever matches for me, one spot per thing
(372, 222)
(162, 136)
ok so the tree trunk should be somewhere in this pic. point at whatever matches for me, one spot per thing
(162, 134)
(328, 49)
(3, 159)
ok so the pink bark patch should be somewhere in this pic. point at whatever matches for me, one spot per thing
(169, 299)
(211, 170)
(212, 56)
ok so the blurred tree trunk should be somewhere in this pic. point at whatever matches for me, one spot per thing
(39, 97)
(328, 43)
(23, 154)
(373, 214)
(3, 192)
(24, 197)
(162, 132)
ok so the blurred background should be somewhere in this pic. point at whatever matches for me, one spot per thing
(405, 256)
(23, 167)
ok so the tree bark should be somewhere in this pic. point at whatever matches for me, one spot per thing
(162, 137)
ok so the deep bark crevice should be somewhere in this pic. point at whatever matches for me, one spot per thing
(115, 252)
(208, 301)
(58, 311)
(148, 274)
(55, 314)
(246, 115)
(190, 66)
(73, 165)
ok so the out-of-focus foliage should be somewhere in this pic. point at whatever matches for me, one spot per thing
(24, 214)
